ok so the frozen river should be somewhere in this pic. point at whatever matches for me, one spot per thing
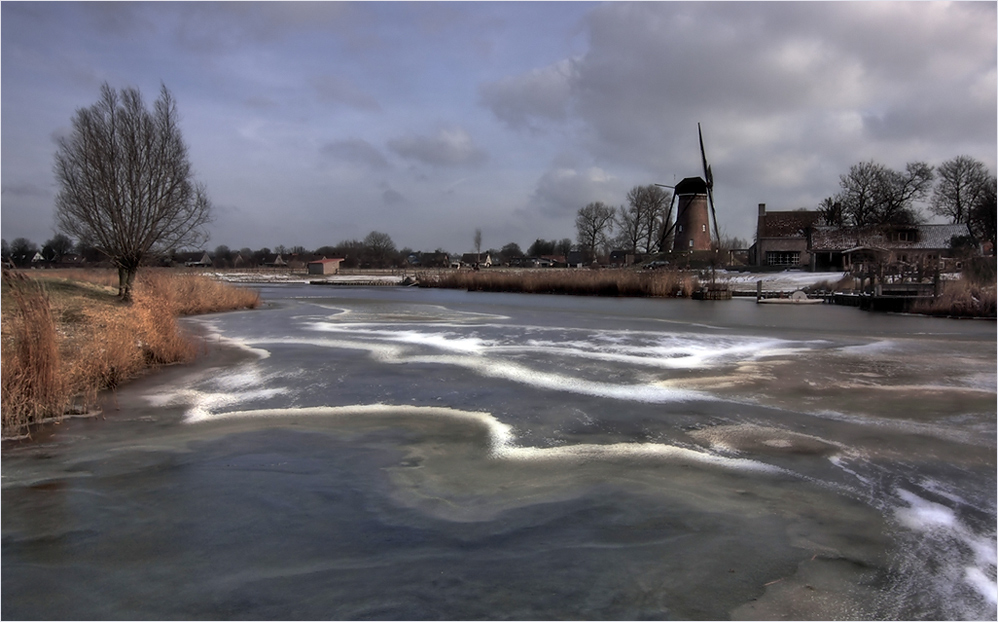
(401, 453)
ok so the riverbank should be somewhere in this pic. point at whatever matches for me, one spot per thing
(66, 336)
(611, 282)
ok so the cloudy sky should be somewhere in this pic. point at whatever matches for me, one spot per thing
(313, 123)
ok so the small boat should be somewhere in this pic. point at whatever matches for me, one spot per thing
(796, 298)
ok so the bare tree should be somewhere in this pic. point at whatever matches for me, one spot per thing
(629, 226)
(873, 194)
(56, 247)
(22, 250)
(963, 181)
(984, 213)
(647, 206)
(859, 195)
(126, 183)
(593, 224)
(831, 212)
(902, 190)
(380, 248)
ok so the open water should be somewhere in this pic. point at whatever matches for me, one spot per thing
(390, 453)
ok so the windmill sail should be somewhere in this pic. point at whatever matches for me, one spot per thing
(709, 179)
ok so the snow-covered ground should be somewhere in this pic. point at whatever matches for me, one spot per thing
(288, 277)
(788, 280)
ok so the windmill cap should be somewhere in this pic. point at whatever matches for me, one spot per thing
(692, 185)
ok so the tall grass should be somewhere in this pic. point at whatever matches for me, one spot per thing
(54, 361)
(658, 283)
(32, 386)
(961, 298)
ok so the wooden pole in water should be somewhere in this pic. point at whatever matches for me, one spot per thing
(758, 290)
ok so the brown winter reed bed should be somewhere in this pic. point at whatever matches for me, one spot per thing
(960, 298)
(65, 337)
(580, 282)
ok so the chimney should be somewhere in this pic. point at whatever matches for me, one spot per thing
(762, 209)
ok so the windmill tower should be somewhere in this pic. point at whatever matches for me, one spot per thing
(695, 196)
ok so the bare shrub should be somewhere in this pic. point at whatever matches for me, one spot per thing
(658, 283)
(33, 388)
(192, 294)
(960, 298)
(97, 344)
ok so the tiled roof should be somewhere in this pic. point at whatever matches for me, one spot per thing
(927, 237)
(787, 224)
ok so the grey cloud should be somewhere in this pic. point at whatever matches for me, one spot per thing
(260, 103)
(562, 190)
(762, 77)
(214, 27)
(924, 119)
(448, 147)
(355, 151)
(338, 91)
(392, 197)
(25, 190)
(541, 94)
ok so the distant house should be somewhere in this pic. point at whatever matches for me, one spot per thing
(324, 266)
(625, 258)
(798, 239)
(782, 238)
(198, 260)
(69, 260)
(575, 259)
(845, 248)
(436, 259)
(273, 261)
(482, 260)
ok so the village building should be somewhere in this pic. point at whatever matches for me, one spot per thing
(324, 266)
(799, 239)
(482, 260)
(782, 238)
(273, 260)
(852, 248)
(575, 259)
(192, 259)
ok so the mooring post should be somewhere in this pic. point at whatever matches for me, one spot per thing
(758, 290)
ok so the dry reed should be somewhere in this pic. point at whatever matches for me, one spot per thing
(657, 283)
(960, 298)
(32, 387)
(97, 342)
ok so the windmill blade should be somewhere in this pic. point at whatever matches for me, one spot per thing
(709, 179)
(707, 176)
(666, 232)
(710, 198)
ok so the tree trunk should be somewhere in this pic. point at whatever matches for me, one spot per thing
(126, 279)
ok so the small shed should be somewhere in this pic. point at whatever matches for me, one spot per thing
(324, 266)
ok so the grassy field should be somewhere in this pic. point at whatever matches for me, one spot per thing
(65, 336)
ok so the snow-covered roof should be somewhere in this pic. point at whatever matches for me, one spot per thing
(925, 237)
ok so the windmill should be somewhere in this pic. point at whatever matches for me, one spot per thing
(695, 195)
